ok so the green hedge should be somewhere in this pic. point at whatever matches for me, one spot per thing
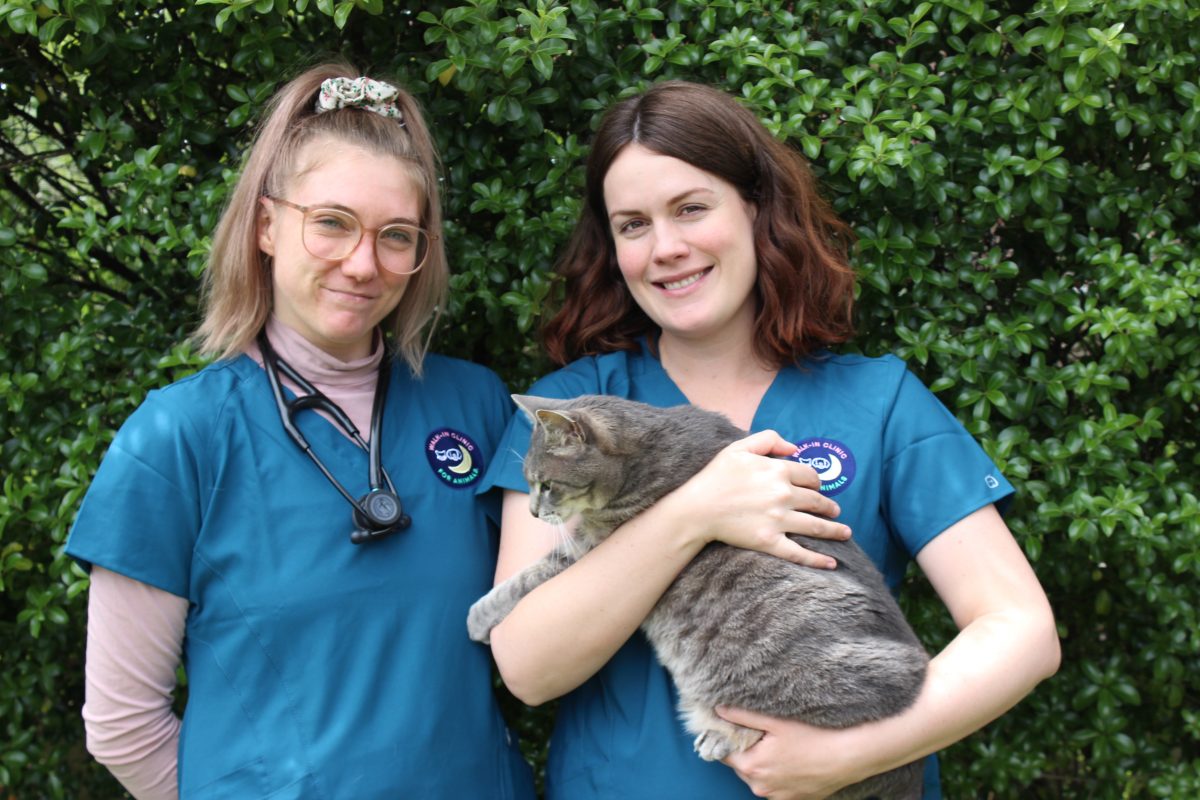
(1022, 177)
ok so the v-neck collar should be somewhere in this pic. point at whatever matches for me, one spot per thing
(771, 407)
(331, 443)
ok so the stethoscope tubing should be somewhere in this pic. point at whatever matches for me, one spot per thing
(314, 398)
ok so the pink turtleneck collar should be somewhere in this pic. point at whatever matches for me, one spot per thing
(350, 384)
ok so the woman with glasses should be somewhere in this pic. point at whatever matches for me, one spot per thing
(296, 525)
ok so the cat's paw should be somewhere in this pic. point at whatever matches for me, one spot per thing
(480, 623)
(714, 745)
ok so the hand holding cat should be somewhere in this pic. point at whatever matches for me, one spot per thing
(747, 499)
(793, 760)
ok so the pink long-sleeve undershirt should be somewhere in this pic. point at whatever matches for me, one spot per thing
(135, 631)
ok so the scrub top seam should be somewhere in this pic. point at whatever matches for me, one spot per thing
(293, 704)
(893, 397)
(914, 443)
(143, 463)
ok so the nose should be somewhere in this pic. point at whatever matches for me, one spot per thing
(361, 264)
(669, 244)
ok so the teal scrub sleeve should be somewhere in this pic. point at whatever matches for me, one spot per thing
(934, 472)
(498, 415)
(141, 515)
(505, 472)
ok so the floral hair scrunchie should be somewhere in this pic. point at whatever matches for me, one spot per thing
(364, 93)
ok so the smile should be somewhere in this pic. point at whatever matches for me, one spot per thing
(683, 282)
(349, 297)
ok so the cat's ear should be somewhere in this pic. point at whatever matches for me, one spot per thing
(565, 423)
(531, 404)
(561, 429)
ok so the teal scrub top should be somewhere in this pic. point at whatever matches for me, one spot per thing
(901, 467)
(317, 668)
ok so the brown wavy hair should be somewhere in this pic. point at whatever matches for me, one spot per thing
(805, 286)
(237, 284)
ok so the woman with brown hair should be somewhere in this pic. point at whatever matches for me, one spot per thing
(303, 567)
(705, 268)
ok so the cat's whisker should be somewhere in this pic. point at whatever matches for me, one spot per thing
(565, 542)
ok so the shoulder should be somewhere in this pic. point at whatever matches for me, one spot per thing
(849, 381)
(610, 374)
(888, 379)
(180, 430)
(459, 393)
(194, 402)
(853, 368)
(440, 371)
(877, 392)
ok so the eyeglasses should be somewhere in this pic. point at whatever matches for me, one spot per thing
(333, 234)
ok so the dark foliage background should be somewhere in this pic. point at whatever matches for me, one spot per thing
(1022, 177)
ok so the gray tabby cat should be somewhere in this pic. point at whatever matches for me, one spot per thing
(737, 627)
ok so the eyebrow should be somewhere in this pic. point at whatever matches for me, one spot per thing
(670, 201)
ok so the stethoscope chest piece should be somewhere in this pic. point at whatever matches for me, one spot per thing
(377, 515)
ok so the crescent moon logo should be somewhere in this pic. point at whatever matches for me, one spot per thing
(835, 469)
(464, 466)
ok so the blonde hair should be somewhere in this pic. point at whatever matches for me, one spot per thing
(237, 293)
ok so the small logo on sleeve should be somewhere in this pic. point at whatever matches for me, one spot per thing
(454, 457)
(832, 460)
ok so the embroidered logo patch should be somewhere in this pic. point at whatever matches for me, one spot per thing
(832, 460)
(454, 457)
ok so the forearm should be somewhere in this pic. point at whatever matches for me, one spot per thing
(987, 669)
(1006, 643)
(565, 630)
(134, 637)
(151, 772)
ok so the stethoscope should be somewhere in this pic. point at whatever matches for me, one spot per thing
(378, 513)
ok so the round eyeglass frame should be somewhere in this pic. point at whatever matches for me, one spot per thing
(362, 230)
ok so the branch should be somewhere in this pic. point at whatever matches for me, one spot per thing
(98, 288)
(29, 159)
(103, 257)
(61, 183)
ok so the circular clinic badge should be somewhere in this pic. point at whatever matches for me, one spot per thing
(454, 457)
(832, 460)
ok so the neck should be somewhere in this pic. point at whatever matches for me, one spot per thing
(724, 376)
(350, 384)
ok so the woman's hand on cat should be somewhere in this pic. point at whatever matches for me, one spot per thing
(748, 499)
(792, 761)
